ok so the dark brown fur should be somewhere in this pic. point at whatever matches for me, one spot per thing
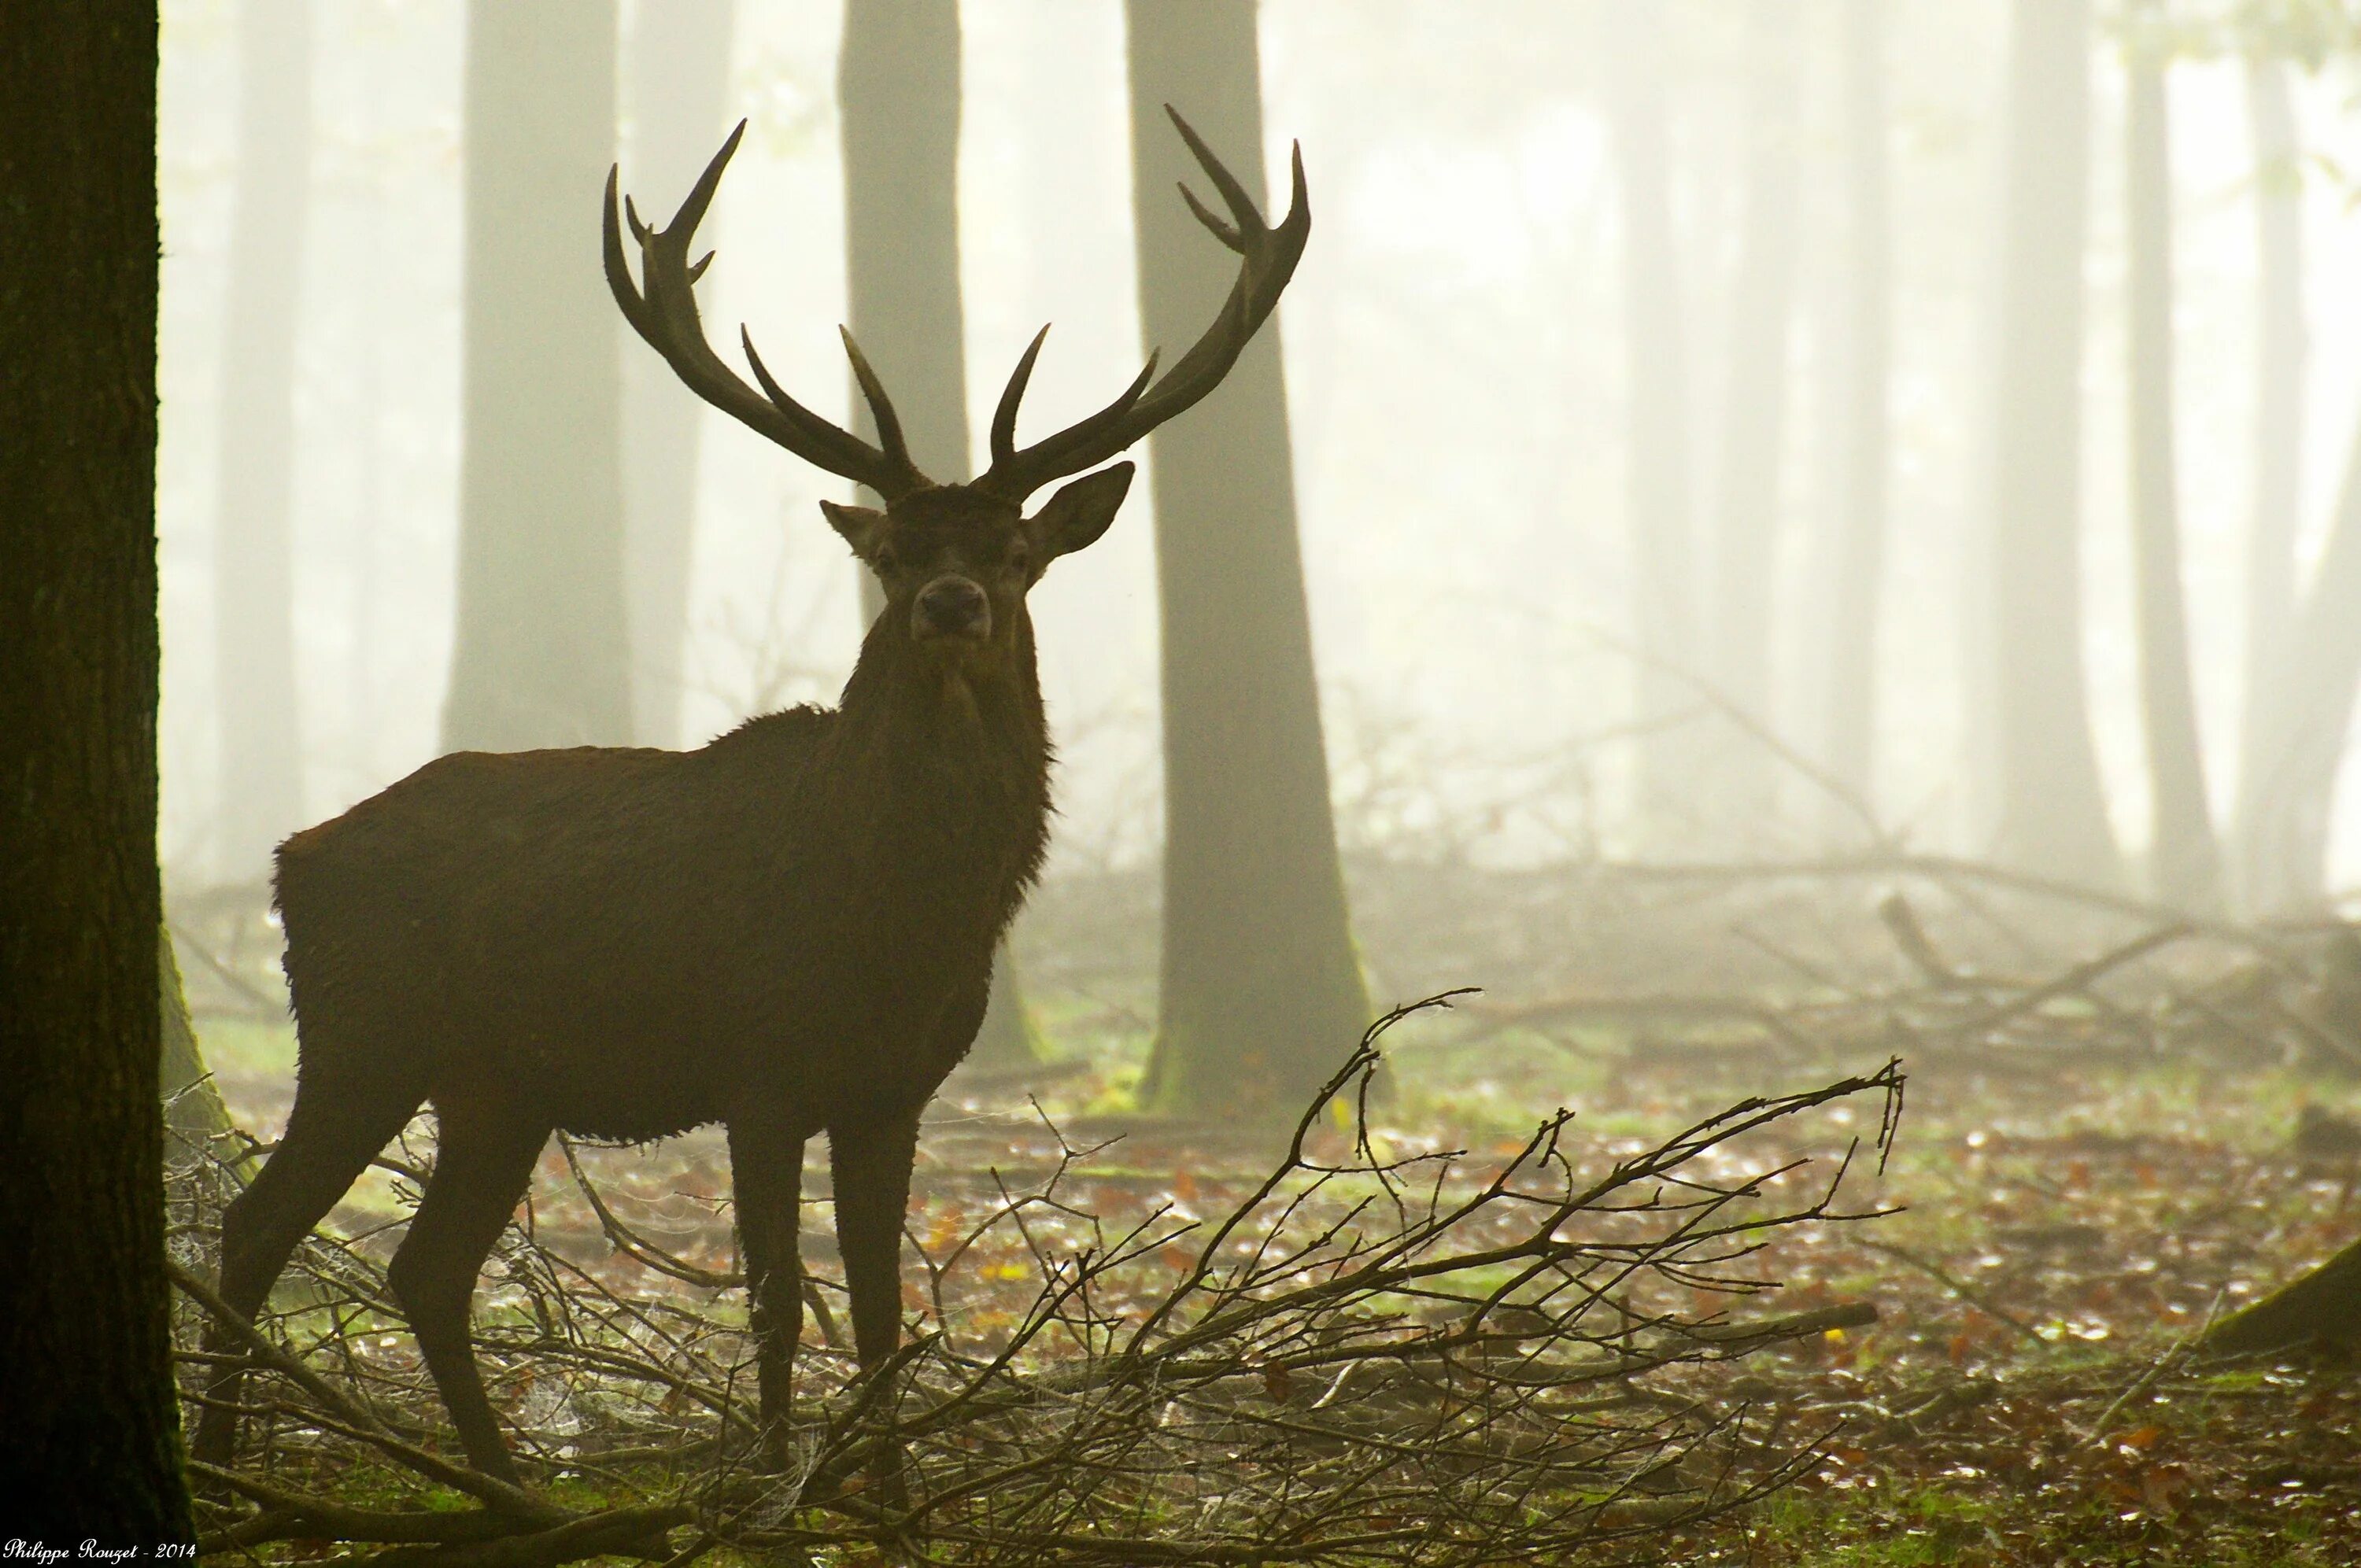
(789, 930)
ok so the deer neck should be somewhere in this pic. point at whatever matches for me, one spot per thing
(946, 746)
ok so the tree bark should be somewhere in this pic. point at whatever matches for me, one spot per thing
(543, 654)
(1261, 992)
(1755, 415)
(261, 762)
(193, 1111)
(1850, 700)
(90, 1445)
(2284, 816)
(678, 77)
(2185, 859)
(2323, 1308)
(1657, 397)
(2053, 812)
(2281, 352)
(898, 96)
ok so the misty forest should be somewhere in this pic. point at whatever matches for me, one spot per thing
(608, 952)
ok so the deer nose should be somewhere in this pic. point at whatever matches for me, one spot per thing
(952, 607)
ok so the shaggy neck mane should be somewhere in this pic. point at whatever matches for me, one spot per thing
(955, 752)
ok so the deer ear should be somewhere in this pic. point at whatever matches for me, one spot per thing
(1079, 512)
(861, 527)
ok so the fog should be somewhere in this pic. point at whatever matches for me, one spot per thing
(1456, 372)
(1767, 543)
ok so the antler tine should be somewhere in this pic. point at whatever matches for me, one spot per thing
(881, 407)
(1269, 257)
(1241, 206)
(661, 308)
(1221, 230)
(1004, 415)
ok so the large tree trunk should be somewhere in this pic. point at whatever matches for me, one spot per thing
(261, 761)
(2184, 858)
(1850, 700)
(898, 98)
(2284, 813)
(678, 76)
(1655, 344)
(1261, 994)
(2278, 443)
(2053, 813)
(90, 1445)
(1746, 504)
(543, 656)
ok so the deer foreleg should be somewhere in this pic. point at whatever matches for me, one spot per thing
(871, 1164)
(766, 1165)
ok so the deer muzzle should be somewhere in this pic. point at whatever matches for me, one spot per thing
(951, 607)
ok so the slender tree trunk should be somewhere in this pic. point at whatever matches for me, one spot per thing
(2285, 825)
(261, 762)
(193, 1111)
(364, 583)
(898, 94)
(1656, 394)
(2053, 811)
(1262, 994)
(2185, 859)
(1861, 405)
(542, 655)
(91, 1442)
(2278, 443)
(1754, 412)
(678, 77)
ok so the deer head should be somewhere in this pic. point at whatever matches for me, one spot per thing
(956, 560)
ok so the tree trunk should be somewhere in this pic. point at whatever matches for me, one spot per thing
(1261, 992)
(898, 97)
(678, 76)
(193, 1112)
(542, 655)
(898, 93)
(2323, 1308)
(364, 581)
(1861, 406)
(90, 1445)
(261, 761)
(2278, 443)
(2184, 858)
(2053, 812)
(2284, 819)
(1754, 416)
(1655, 344)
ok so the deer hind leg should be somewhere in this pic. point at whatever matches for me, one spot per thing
(483, 1163)
(336, 1127)
(766, 1173)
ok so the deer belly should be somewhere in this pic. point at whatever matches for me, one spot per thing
(633, 1102)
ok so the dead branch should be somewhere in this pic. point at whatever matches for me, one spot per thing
(1364, 1356)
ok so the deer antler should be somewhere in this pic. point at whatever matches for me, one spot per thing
(1269, 258)
(663, 308)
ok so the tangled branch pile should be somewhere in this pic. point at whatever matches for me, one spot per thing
(1376, 1356)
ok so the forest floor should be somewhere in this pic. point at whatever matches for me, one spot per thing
(2070, 1215)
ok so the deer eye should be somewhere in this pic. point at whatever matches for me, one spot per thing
(1019, 557)
(885, 560)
